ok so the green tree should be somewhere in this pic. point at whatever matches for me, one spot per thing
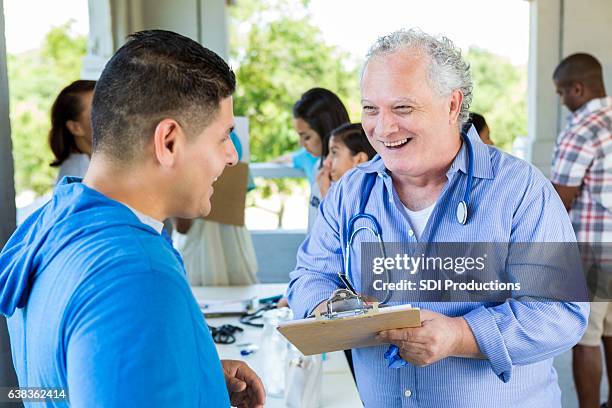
(281, 56)
(35, 79)
(500, 94)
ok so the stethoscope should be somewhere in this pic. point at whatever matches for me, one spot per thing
(376, 230)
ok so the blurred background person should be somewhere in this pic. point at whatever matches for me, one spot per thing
(480, 124)
(315, 115)
(581, 168)
(348, 147)
(70, 136)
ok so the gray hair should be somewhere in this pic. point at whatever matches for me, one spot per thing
(448, 70)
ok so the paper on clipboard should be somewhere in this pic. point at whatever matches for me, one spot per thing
(321, 335)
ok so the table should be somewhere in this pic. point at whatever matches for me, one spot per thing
(339, 389)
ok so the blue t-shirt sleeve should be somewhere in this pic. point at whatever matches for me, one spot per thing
(135, 341)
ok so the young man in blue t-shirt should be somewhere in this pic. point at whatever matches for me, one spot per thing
(96, 296)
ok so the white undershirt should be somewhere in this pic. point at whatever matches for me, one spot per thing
(418, 219)
(150, 221)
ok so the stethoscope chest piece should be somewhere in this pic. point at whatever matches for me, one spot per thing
(462, 212)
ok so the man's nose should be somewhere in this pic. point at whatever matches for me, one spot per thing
(232, 155)
(386, 124)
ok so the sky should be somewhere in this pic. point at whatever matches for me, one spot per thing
(25, 29)
(500, 26)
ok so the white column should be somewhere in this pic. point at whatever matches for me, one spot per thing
(7, 201)
(587, 27)
(542, 101)
(111, 21)
(213, 23)
(100, 43)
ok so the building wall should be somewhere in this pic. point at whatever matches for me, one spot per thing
(588, 28)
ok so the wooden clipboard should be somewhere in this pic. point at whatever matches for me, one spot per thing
(317, 335)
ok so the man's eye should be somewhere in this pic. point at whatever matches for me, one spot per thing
(404, 108)
(368, 108)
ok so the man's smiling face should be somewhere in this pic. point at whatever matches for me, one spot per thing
(405, 119)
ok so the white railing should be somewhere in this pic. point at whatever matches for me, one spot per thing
(275, 170)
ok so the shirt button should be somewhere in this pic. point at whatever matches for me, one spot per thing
(410, 232)
(408, 393)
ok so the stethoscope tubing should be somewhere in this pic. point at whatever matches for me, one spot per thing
(376, 230)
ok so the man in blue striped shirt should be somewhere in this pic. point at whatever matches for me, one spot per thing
(416, 90)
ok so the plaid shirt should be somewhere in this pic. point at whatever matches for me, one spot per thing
(583, 157)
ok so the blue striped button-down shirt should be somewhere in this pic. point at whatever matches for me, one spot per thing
(511, 201)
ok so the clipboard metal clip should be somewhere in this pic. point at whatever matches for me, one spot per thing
(346, 303)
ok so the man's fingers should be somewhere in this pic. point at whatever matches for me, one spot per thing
(409, 334)
(256, 387)
(236, 385)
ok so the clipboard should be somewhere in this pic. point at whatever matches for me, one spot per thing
(227, 204)
(347, 329)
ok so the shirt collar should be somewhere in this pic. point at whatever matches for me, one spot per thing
(588, 108)
(482, 159)
(147, 220)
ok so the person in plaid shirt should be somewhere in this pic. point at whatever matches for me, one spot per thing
(582, 175)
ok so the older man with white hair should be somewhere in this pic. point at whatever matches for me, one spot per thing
(431, 183)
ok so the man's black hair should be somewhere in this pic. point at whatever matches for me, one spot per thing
(580, 67)
(155, 75)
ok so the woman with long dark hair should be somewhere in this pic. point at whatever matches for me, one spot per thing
(70, 137)
(315, 115)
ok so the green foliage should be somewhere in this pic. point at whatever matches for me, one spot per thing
(500, 95)
(35, 79)
(281, 56)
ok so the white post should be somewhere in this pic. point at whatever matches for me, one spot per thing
(213, 23)
(111, 21)
(542, 101)
(100, 46)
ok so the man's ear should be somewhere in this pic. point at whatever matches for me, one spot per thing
(75, 127)
(454, 107)
(578, 88)
(360, 157)
(166, 138)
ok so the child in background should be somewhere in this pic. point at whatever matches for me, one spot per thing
(348, 147)
(480, 124)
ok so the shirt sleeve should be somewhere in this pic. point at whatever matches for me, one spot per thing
(299, 159)
(573, 155)
(133, 341)
(319, 260)
(523, 331)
